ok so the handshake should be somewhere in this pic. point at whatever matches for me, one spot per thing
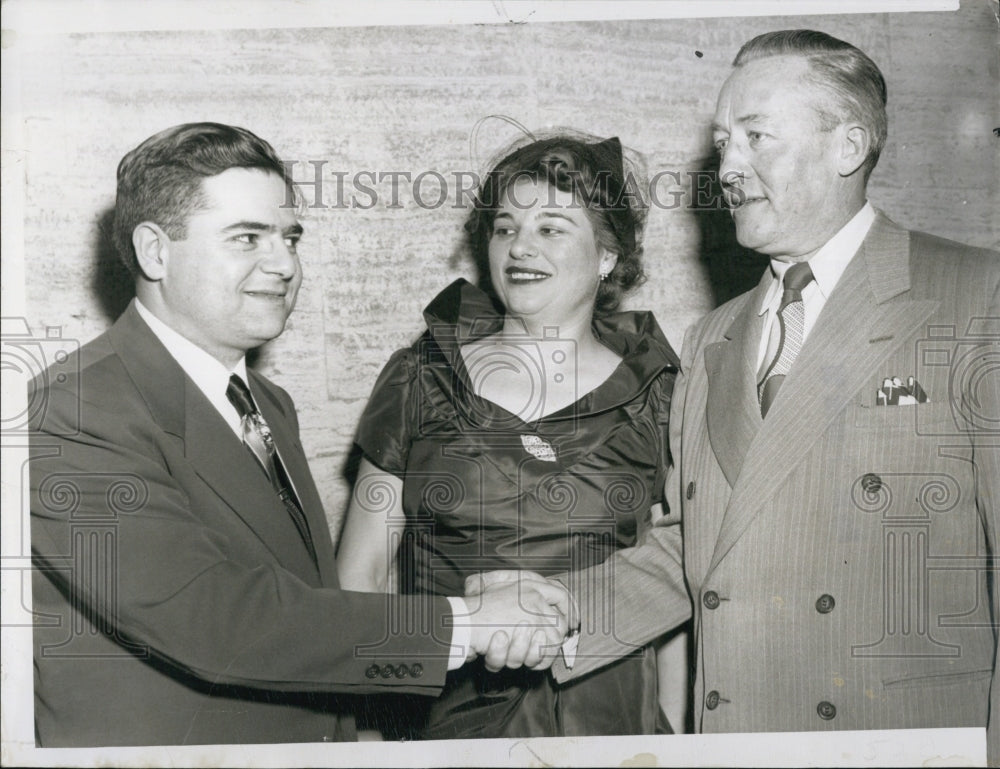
(517, 618)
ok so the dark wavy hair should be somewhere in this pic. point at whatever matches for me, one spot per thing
(847, 74)
(608, 187)
(160, 180)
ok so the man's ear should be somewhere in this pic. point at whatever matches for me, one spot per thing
(855, 141)
(152, 250)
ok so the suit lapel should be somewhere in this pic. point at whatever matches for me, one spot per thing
(730, 365)
(296, 465)
(858, 328)
(219, 457)
(209, 444)
(157, 377)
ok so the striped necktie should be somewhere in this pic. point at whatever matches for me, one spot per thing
(791, 328)
(257, 438)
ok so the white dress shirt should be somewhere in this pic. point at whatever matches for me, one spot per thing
(827, 265)
(212, 378)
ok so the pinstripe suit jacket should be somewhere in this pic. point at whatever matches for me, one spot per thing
(836, 553)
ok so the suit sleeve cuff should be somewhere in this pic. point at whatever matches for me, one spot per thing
(569, 646)
(461, 634)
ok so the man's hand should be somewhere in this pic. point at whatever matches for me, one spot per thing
(477, 583)
(518, 621)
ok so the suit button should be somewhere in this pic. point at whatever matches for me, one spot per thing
(871, 483)
(372, 672)
(826, 710)
(416, 670)
(690, 490)
(825, 604)
(388, 671)
(712, 700)
(711, 600)
(402, 671)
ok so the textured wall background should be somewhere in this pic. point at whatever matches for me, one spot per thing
(406, 99)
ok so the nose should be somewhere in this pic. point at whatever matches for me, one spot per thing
(280, 258)
(523, 246)
(733, 167)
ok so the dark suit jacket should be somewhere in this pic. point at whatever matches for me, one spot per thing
(176, 602)
(836, 551)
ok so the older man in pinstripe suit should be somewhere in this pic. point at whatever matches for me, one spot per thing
(836, 433)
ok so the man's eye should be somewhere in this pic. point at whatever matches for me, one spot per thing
(720, 144)
(292, 243)
(755, 136)
(500, 232)
(248, 238)
(550, 231)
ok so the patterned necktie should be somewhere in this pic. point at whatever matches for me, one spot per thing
(257, 437)
(791, 327)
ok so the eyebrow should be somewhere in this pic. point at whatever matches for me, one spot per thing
(295, 229)
(752, 117)
(556, 215)
(544, 214)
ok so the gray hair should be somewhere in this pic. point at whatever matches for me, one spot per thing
(845, 72)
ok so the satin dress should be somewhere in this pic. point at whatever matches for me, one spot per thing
(483, 490)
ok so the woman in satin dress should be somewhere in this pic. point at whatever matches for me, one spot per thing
(526, 429)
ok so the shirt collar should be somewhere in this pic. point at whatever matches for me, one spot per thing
(211, 377)
(829, 263)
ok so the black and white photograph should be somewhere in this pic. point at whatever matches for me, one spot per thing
(500, 383)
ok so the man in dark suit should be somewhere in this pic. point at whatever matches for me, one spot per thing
(186, 588)
(835, 439)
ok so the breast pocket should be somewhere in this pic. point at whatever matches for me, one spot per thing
(927, 419)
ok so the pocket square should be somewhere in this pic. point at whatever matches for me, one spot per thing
(894, 393)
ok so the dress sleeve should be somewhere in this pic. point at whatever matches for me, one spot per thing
(386, 424)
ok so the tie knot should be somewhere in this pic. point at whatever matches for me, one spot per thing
(797, 277)
(239, 395)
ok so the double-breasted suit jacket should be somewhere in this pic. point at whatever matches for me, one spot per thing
(175, 600)
(838, 553)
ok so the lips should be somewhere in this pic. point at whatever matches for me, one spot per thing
(525, 275)
(266, 294)
(737, 201)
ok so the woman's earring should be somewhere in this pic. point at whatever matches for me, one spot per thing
(604, 276)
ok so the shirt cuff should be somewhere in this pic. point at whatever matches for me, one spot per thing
(461, 633)
(569, 649)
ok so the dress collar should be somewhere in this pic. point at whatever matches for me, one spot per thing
(463, 313)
